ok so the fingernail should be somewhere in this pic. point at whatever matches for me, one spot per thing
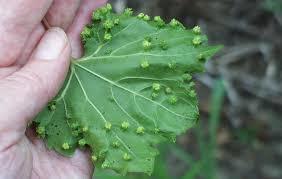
(51, 45)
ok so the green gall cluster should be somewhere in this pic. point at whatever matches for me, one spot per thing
(186, 77)
(159, 21)
(82, 142)
(108, 21)
(108, 126)
(105, 165)
(191, 84)
(145, 64)
(128, 11)
(126, 157)
(168, 90)
(40, 130)
(115, 144)
(201, 58)
(75, 133)
(146, 18)
(173, 99)
(157, 130)
(173, 139)
(94, 158)
(172, 65)
(109, 7)
(107, 36)
(85, 34)
(108, 24)
(192, 93)
(164, 45)
(52, 106)
(104, 10)
(100, 13)
(154, 95)
(197, 40)
(140, 130)
(125, 125)
(74, 125)
(85, 129)
(66, 146)
(116, 21)
(174, 23)
(156, 86)
(147, 45)
(197, 30)
(96, 16)
(141, 15)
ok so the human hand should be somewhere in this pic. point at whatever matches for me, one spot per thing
(33, 65)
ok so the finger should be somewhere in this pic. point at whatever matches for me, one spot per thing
(7, 71)
(79, 166)
(18, 18)
(26, 92)
(62, 13)
(57, 11)
(83, 17)
(29, 46)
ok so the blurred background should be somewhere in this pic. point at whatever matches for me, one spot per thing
(239, 135)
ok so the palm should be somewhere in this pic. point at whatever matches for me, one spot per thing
(30, 157)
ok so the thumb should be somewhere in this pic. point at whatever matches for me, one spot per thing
(26, 92)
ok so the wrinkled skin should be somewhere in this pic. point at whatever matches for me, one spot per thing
(29, 79)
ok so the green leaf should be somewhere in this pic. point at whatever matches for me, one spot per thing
(130, 91)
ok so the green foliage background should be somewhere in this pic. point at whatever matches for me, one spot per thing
(274, 5)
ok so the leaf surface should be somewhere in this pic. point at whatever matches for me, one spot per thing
(132, 90)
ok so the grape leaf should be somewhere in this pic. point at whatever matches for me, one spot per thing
(130, 91)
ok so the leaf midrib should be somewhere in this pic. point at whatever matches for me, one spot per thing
(121, 87)
(99, 112)
(139, 54)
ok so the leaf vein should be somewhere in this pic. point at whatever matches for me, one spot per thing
(119, 86)
(99, 112)
(112, 93)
